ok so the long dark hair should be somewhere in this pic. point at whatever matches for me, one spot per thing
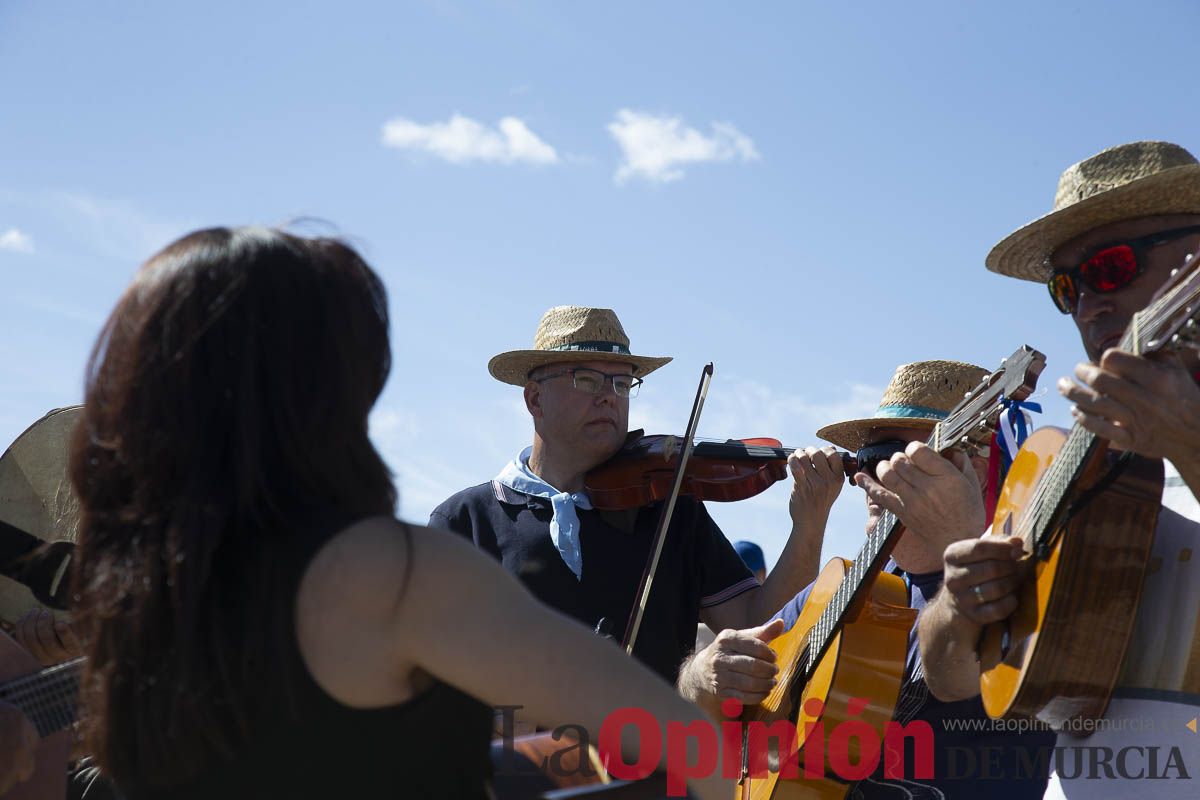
(227, 397)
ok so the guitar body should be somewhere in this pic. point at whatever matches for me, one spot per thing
(53, 752)
(866, 660)
(1057, 658)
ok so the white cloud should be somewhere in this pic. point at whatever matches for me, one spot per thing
(15, 241)
(656, 147)
(462, 140)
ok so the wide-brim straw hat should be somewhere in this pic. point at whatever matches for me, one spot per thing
(36, 494)
(572, 333)
(920, 395)
(1125, 182)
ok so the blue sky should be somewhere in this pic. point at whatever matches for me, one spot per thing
(802, 193)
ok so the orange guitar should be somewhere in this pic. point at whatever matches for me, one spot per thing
(1088, 529)
(851, 639)
(47, 697)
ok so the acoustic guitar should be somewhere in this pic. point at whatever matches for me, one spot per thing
(851, 639)
(1088, 520)
(47, 698)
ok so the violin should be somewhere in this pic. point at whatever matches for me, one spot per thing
(643, 470)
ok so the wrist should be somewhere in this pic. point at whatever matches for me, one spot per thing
(807, 519)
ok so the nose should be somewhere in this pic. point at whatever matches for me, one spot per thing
(1092, 305)
(607, 394)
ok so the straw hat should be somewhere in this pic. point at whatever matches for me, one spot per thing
(36, 495)
(1124, 182)
(919, 395)
(572, 333)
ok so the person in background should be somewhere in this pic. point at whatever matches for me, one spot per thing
(535, 516)
(752, 556)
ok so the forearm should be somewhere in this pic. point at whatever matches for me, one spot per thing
(614, 682)
(797, 567)
(556, 671)
(948, 653)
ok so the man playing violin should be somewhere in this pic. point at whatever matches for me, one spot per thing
(1123, 220)
(939, 500)
(536, 518)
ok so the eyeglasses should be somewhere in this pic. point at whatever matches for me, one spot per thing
(1109, 269)
(591, 381)
(871, 456)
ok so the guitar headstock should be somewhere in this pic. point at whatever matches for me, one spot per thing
(1169, 321)
(974, 419)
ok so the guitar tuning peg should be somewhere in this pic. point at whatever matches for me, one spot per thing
(967, 396)
(1003, 361)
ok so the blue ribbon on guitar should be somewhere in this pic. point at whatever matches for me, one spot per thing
(1014, 428)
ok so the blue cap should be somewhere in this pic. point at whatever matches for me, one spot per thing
(752, 555)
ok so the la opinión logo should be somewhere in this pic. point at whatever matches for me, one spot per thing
(850, 750)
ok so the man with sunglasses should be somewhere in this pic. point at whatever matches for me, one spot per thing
(536, 518)
(1122, 221)
(940, 501)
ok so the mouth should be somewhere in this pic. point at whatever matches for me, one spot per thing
(597, 422)
(1112, 340)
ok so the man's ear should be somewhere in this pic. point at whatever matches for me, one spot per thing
(533, 399)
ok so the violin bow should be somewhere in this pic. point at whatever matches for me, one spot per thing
(664, 517)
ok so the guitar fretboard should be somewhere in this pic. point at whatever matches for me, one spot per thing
(1047, 505)
(48, 697)
(869, 560)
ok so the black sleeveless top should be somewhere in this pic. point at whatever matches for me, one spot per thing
(434, 745)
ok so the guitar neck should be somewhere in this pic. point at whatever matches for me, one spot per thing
(48, 697)
(1049, 501)
(867, 564)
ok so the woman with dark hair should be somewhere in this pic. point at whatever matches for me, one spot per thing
(256, 621)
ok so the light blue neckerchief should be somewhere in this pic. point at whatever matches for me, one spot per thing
(564, 524)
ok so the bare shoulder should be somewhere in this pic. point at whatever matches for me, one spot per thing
(348, 611)
(371, 565)
(359, 561)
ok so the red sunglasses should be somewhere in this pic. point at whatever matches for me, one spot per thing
(1109, 269)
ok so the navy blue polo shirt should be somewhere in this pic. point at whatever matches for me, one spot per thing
(698, 567)
(973, 755)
